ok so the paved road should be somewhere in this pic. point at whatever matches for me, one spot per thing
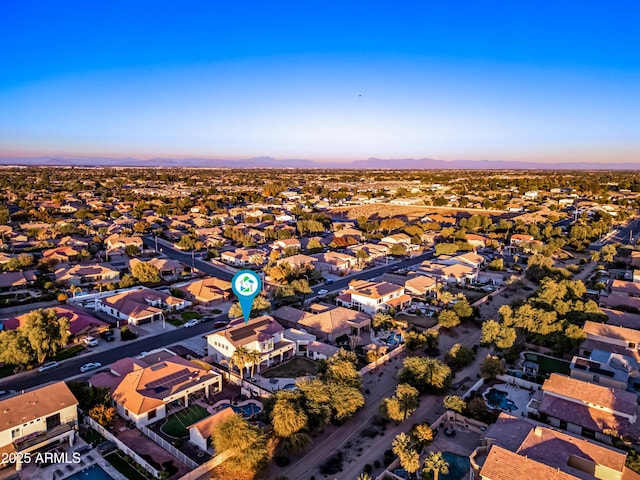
(627, 235)
(168, 249)
(71, 367)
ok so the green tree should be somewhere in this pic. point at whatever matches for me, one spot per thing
(398, 250)
(382, 321)
(260, 305)
(362, 257)
(422, 435)
(301, 287)
(402, 446)
(497, 334)
(245, 445)
(448, 319)
(491, 367)
(287, 416)
(455, 403)
(435, 463)
(15, 348)
(46, 332)
(314, 246)
(459, 355)
(145, 272)
(4, 215)
(425, 374)
(408, 398)
(463, 309)
(132, 250)
(127, 281)
(103, 414)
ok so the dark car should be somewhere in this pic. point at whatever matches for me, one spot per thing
(108, 336)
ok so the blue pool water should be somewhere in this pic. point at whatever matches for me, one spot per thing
(458, 466)
(92, 473)
(514, 373)
(394, 339)
(246, 411)
(498, 399)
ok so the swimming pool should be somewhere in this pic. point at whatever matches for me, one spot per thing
(498, 399)
(92, 473)
(247, 410)
(458, 466)
(394, 339)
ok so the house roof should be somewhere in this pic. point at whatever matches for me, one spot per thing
(612, 332)
(207, 425)
(35, 404)
(372, 289)
(591, 394)
(207, 289)
(135, 303)
(622, 286)
(420, 283)
(323, 349)
(259, 329)
(79, 320)
(501, 464)
(144, 389)
(17, 279)
(334, 320)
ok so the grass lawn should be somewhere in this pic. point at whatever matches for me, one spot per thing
(175, 322)
(68, 353)
(91, 436)
(186, 316)
(125, 468)
(296, 367)
(177, 423)
(549, 365)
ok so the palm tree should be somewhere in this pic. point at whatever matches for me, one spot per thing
(364, 476)
(239, 359)
(74, 289)
(255, 358)
(402, 446)
(435, 463)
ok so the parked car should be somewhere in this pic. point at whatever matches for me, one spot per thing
(90, 341)
(220, 324)
(48, 366)
(191, 323)
(90, 366)
(4, 393)
(329, 281)
(323, 291)
(108, 336)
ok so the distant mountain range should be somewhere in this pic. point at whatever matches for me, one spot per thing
(269, 162)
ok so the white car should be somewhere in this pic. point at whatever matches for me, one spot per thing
(323, 291)
(90, 366)
(48, 366)
(191, 323)
(90, 341)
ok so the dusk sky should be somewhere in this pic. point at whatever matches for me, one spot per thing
(540, 80)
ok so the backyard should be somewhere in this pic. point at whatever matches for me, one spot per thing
(177, 423)
(296, 367)
(548, 365)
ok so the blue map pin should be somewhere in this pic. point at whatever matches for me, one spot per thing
(246, 284)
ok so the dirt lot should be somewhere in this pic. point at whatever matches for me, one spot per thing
(518, 291)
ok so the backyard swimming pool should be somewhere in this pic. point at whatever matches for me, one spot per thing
(458, 466)
(394, 339)
(92, 473)
(498, 399)
(248, 410)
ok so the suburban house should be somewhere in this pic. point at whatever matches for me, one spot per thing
(80, 275)
(300, 337)
(477, 241)
(609, 356)
(140, 305)
(206, 291)
(372, 297)
(262, 334)
(373, 250)
(286, 243)
(80, 322)
(515, 448)
(587, 409)
(17, 280)
(321, 351)
(298, 261)
(201, 431)
(143, 394)
(325, 322)
(334, 262)
(36, 419)
(468, 259)
(61, 254)
(120, 242)
(421, 285)
(455, 273)
(397, 239)
(349, 232)
(167, 268)
(243, 257)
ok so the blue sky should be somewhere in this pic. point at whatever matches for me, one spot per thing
(546, 81)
